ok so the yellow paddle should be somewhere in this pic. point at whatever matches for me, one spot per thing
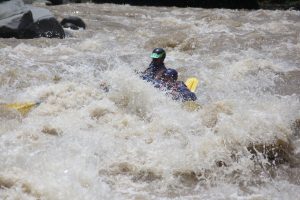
(192, 83)
(23, 108)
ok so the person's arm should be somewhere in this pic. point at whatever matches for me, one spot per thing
(189, 96)
(186, 94)
(147, 74)
(158, 84)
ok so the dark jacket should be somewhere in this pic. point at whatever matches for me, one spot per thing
(153, 71)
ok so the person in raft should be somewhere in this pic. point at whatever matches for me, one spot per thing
(156, 67)
(176, 89)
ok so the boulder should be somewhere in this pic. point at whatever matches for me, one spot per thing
(25, 22)
(54, 2)
(60, 2)
(73, 22)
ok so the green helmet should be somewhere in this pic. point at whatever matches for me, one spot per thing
(158, 53)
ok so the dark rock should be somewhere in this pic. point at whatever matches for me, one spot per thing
(21, 21)
(279, 152)
(232, 4)
(60, 2)
(54, 2)
(73, 22)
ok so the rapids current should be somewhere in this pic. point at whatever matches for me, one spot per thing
(133, 142)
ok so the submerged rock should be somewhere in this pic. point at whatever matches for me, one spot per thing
(51, 131)
(73, 22)
(60, 2)
(54, 2)
(277, 153)
(296, 128)
(25, 22)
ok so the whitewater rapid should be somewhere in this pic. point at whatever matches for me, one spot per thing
(133, 142)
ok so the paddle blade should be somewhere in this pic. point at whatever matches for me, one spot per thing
(23, 108)
(192, 84)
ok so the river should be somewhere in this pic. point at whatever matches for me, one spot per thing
(133, 142)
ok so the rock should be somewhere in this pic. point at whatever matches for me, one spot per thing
(60, 2)
(73, 22)
(54, 2)
(51, 131)
(26, 22)
(279, 152)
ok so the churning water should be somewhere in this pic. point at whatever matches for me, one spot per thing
(133, 142)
